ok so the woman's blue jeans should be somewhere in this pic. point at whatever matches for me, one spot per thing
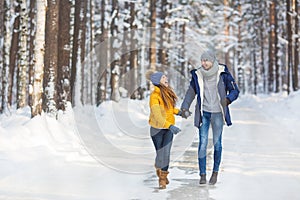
(162, 140)
(217, 123)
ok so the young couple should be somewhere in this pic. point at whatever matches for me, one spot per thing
(215, 89)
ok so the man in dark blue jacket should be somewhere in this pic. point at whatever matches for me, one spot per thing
(215, 89)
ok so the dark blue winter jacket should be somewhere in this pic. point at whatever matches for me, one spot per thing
(227, 88)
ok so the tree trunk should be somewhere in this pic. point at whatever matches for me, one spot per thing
(276, 49)
(2, 34)
(226, 32)
(262, 39)
(6, 45)
(152, 50)
(91, 53)
(114, 66)
(126, 42)
(241, 78)
(76, 44)
(32, 33)
(22, 54)
(51, 59)
(13, 53)
(290, 45)
(134, 79)
(163, 33)
(63, 65)
(82, 43)
(296, 46)
(37, 88)
(102, 69)
(271, 47)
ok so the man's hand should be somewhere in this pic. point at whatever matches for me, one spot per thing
(185, 113)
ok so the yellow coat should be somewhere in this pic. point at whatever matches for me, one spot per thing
(161, 116)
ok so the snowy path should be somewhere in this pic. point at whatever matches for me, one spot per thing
(261, 159)
(106, 153)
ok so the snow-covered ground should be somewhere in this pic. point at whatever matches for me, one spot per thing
(105, 153)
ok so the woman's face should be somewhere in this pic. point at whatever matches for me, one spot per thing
(164, 80)
(206, 64)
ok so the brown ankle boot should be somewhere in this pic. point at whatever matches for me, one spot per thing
(163, 179)
(158, 171)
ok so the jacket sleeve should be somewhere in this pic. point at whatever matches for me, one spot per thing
(175, 111)
(157, 114)
(231, 88)
(189, 96)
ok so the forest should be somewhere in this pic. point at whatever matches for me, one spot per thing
(56, 54)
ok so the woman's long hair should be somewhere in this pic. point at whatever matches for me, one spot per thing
(168, 95)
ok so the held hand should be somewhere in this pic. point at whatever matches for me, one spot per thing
(174, 129)
(185, 113)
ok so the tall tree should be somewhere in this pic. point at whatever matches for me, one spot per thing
(63, 64)
(226, 29)
(51, 60)
(126, 42)
(290, 45)
(23, 55)
(78, 51)
(240, 70)
(31, 37)
(2, 24)
(134, 79)
(5, 55)
(152, 50)
(103, 50)
(164, 25)
(82, 44)
(92, 52)
(115, 63)
(39, 51)
(296, 45)
(262, 42)
(272, 33)
(13, 56)
(276, 49)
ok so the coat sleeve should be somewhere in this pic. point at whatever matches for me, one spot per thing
(231, 88)
(175, 111)
(189, 96)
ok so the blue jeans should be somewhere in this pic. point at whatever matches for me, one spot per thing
(162, 140)
(217, 122)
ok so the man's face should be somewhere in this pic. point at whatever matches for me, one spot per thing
(206, 64)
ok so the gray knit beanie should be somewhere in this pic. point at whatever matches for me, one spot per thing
(208, 55)
(155, 77)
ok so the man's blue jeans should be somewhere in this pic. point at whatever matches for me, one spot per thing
(217, 122)
(162, 140)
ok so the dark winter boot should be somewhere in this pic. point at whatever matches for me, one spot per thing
(202, 179)
(213, 178)
(163, 179)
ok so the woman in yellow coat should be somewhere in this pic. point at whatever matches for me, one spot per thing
(162, 120)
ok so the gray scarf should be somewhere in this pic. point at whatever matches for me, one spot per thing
(211, 71)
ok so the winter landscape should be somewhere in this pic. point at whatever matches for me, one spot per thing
(106, 153)
(74, 99)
